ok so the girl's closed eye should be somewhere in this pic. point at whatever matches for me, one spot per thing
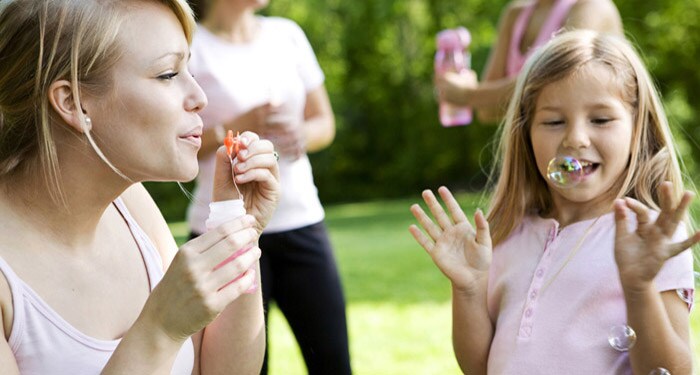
(553, 122)
(601, 120)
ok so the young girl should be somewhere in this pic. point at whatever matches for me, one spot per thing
(576, 279)
(95, 97)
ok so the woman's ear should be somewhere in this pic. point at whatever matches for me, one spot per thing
(62, 100)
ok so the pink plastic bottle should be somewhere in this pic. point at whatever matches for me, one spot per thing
(453, 56)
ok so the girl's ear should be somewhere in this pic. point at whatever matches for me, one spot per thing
(62, 100)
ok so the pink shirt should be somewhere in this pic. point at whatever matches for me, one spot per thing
(555, 21)
(563, 329)
(44, 343)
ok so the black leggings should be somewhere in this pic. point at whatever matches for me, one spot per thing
(298, 272)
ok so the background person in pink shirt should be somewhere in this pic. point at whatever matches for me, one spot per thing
(524, 26)
(551, 280)
(96, 97)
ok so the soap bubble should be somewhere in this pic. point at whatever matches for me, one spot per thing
(564, 171)
(622, 337)
(660, 371)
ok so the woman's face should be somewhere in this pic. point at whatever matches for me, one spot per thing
(148, 125)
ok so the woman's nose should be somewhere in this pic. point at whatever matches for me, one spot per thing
(196, 98)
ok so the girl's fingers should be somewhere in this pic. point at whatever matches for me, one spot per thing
(483, 234)
(620, 207)
(425, 222)
(421, 238)
(679, 247)
(436, 209)
(456, 212)
(640, 210)
(676, 216)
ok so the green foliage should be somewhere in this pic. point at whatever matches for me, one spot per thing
(378, 61)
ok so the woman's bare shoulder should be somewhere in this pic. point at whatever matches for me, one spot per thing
(599, 15)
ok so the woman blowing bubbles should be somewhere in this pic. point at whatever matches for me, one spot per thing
(95, 96)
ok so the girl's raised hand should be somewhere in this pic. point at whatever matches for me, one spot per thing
(462, 253)
(257, 176)
(206, 275)
(640, 254)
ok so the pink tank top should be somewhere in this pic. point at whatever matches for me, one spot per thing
(43, 343)
(555, 20)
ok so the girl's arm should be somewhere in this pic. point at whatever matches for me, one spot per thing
(472, 330)
(660, 320)
(463, 254)
(8, 364)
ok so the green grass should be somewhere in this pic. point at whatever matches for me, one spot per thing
(398, 302)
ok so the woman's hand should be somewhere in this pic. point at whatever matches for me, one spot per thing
(454, 87)
(286, 133)
(641, 253)
(462, 253)
(256, 174)
(206, 275)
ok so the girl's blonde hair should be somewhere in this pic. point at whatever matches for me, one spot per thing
(520, 189)
(42, 41)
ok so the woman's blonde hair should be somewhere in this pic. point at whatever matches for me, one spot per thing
(520, 189)
(42, 41)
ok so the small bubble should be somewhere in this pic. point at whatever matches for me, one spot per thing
(564, 171)
(622, 338)
(660, 371)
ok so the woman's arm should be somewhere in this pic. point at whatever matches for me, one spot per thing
(597, 15)
(234, 341)
(490, 97)
(319, 124)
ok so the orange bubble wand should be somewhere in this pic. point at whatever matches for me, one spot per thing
(233, 145)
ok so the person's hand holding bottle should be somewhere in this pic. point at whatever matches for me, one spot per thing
(286, 132)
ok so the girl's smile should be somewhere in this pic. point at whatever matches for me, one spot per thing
(584, 116)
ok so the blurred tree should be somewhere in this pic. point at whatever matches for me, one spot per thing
(378, 59)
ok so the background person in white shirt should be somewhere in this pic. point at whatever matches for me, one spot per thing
(260, 74)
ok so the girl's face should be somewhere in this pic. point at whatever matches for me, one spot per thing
(584, 116)
(148, 124)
